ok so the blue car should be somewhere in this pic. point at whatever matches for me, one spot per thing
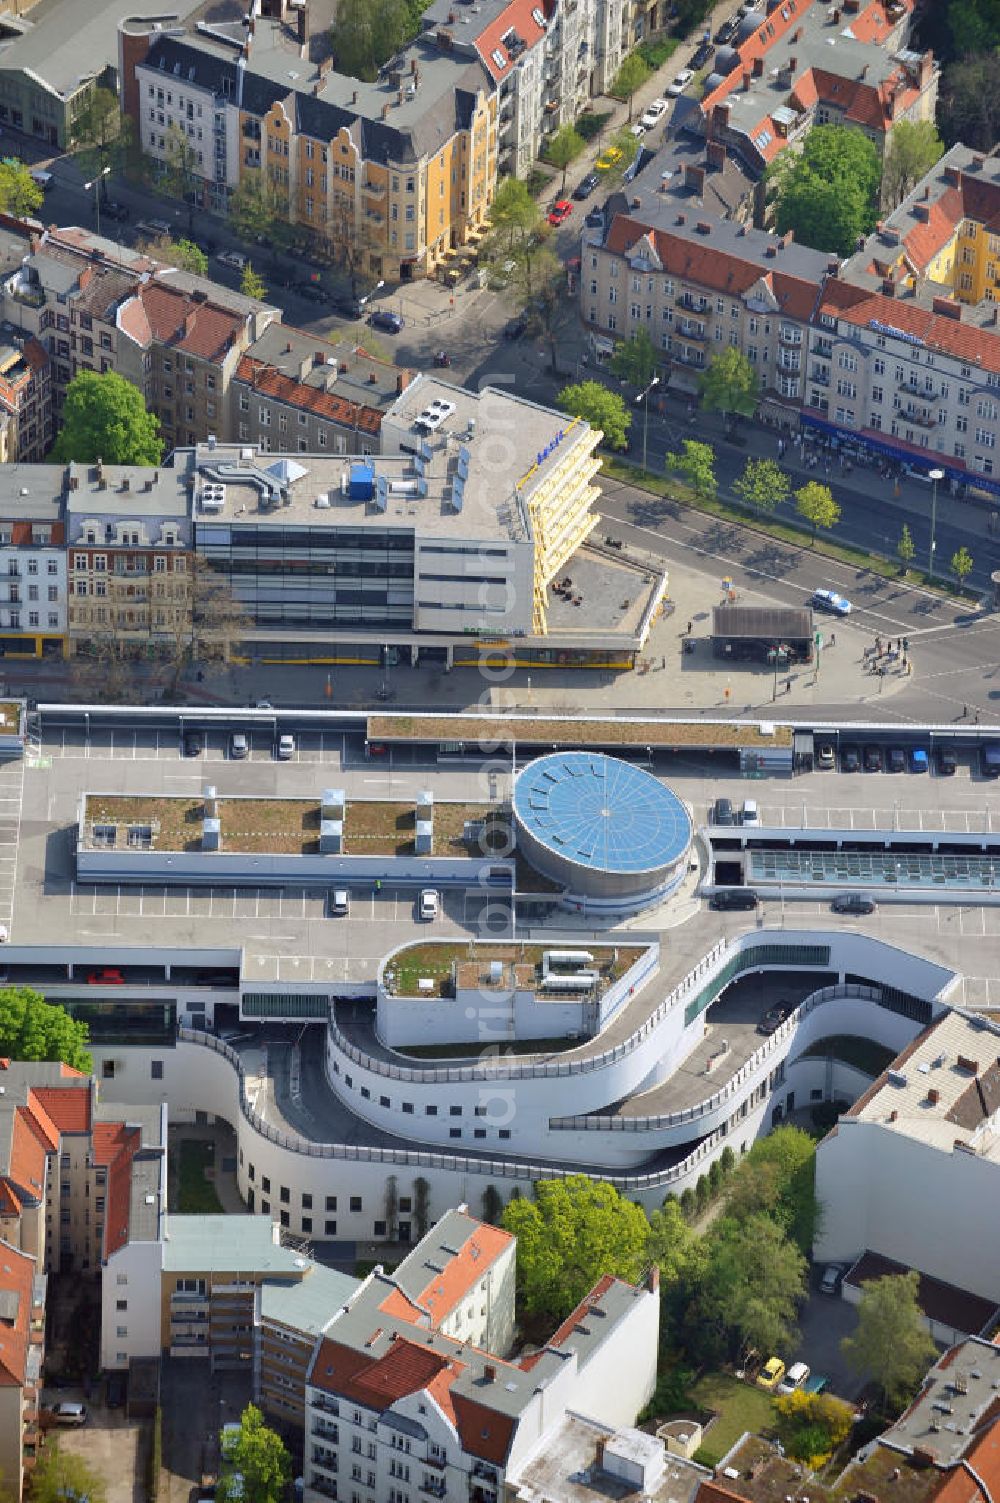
(829, 600)
(918, 759)
(384, 318)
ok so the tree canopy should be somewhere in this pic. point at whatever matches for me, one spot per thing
(974, 26)
(911, 151)
(105, 417)
(183, 253)
(572, 1232)
(890, 1343)
(252, 284)
(636, 359)
(59, 1476)
(367, 33)
(763, 484)
(814, 502)
(754, 1278)
(19, 193)
(729, 384)
(969, 108)
(256, 1466)
(630, 77)
(696, 463)
(828, 195)
(778, 1176)
(812, 1425)
(561, 149)
(31, 1028)
(600, 407)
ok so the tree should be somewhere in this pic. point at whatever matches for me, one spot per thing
(31, 1028)
(812, 1425)
(906, 547)
(365, 35)
(562, 148)
(59, 1475)
(696, 462)
(814, 502)
(600, 408)
(539, 281)
(778, 1176)
(635, 360)
(99, 133)
(969, 106)
(20, 195)
(256, 1466)
(252, 284)
(974, 25)
(217, 620)
(181, 253)
(751, 1285)
(763, 484)
(961, 565)
(575, 1230)
(728, 384)
(911, 151)
(105, 417)
(101, 669)
(630, 77)
(890, 1343)
(671, 1242)
(257, 212)
(181, 172)
(828, 195)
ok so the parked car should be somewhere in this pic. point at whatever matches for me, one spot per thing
(772, 1020)
(340, 902)
(989, 759)
(680, 83)
(895, 759)
(586, 186)
(595, 219)
(919, 761)
(722, 812)
(637, 129)
(771, 1374)
(386, 320)
(826, 758)
(239, 746)
(749, 814)
(153, 229)
(515, 327)
(194, 743)
(833, 1277)
(234, 259)
(311, 291)
(702, 54)
(560, 211)
(795, 1377)
(66, 1412)
(41, 178)
(850, 759)
(853, 902)
(733, 899)
(609, 159)
(945, 761)
(114, 210)
(108, 975)
(829, 600)
(428, 904)
(873, 757)
(653, 112)
(284, 748)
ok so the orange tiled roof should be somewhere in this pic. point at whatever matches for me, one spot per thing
(463, 1271)
(517, 16)
(25, 1173)
(858, 305)
(271, 382)
(17, 1277)
(397, 1304)
(604, 1283)
(115, 1145)
(982, 1460)
(201, 329)
(67, 1107)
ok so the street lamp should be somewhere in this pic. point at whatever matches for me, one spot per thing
(96, 185)
(643, 397)
(933, 476)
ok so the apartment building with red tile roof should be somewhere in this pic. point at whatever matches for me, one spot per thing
(22, 1336)
(444, 1412)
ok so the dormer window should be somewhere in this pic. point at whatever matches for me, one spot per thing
(498, 58)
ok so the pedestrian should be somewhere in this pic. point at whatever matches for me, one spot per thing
(977, 717)
(663, 662)
(965, 712)
(906, 644)
(690, 627)
(909, 668)
(833, 639)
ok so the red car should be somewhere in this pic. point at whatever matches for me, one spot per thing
(109, 976)
(561, 209)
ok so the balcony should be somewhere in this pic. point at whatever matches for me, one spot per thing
(324, 1431)
(789, 336)
(788, 362)
(374, 190)
(819, 377)
(823, 348)
(921, 416)
(693, 304)
(692, 331)
(434, 1488)
(30, 297)
(436, 1461)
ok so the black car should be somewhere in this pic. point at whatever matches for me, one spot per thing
(586, 186)
(194, 743)
(310, 291)
(895, 759)
(850, 759)
(774, 1017)
(946, 761)
(595, 219)
(722, 812)
(514, 328)
(853, 902)
(352, 305)
(733, 898)
(873, 758)
(114, 210)
(702, 55)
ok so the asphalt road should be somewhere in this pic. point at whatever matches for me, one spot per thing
(956, 650)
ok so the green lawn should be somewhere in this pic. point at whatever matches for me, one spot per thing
(739, 1406)
(195, 1194)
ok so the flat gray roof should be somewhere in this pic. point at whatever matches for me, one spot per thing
(66, 42)
(310, 1303)
(226, 1244)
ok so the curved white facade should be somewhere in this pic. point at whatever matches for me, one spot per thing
(338, 1190)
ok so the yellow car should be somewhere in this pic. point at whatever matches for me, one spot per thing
(771, 1374)
(610, 159)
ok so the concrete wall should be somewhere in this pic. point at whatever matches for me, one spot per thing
(936, 1208)
(228, 867)
(476, 1017)
(131, 1274)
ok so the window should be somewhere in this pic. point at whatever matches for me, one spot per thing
(283, 1195)
(307, 1201)
(156, 1069)
(355, 1202)
(265, 1184)
(331, 1202)
(847, 360)
(329, 1228)
(121, 1304)
(987, 437)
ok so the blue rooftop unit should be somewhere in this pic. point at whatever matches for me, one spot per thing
(362, 485)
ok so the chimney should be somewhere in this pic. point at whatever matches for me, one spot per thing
(413, 65)
(864, 72)
(832, 267)
(792, 63)
(771, 251)
(893, 1115)
(946, 308)
(953, 177)
(978, 163)
(746, 81)
(933, 1097)
(694, 177)
(599, 1453)
(402, 381)
(126, 483)
(788, 237)
(681, 219)
(972, 1065)
(654, 1278)
(399, 97)
(489, 1373)
(835, 18)
(888, 287)
(758, 67)
(715, 155)
(354, 97)
(325, 66)
(86, 277)
(703, 227)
